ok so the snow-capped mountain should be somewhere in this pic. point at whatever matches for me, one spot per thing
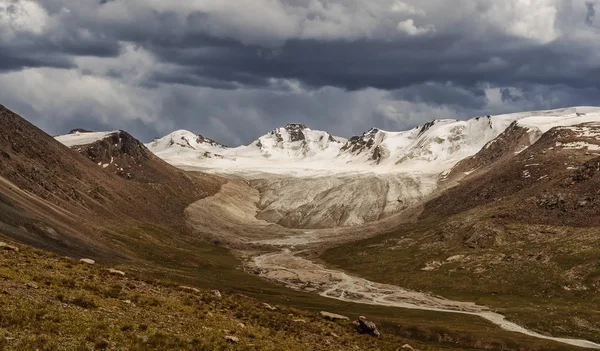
(296, 141)
(290, 146)
(185, 139)
(432, 148)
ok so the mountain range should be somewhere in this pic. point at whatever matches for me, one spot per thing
(499, 210)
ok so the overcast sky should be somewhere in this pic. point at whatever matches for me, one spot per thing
(234, 69)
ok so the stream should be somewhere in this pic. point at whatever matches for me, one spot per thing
(301, 274)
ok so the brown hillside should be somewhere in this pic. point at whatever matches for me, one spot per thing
(75, 198)
(555, 181)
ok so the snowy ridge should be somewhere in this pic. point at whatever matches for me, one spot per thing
(83, 138)
(427, 150)
(430, 149)
(291, 147)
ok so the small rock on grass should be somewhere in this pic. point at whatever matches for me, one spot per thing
(232, 339)
(333, 317)
(217, 293)
(87, 261)
(407, 347)
(116, 272)
(189, 288)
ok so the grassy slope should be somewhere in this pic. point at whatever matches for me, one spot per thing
(78, 306)
(547, 285)
(50, 302)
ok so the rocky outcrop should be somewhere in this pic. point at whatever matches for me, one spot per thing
(365, 326)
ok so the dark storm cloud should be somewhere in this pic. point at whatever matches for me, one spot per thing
(11, 60)
(442, 94)
(591, 13)
(202, 59)
(57, 50)
(383, 65)
(227, 74)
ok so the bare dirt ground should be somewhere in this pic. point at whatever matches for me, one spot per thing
(278, 253)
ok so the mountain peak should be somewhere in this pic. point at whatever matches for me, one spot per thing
(295, 126)
(184, 139)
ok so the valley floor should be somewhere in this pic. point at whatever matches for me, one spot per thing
(273, 251)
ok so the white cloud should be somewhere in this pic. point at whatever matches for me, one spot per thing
(22, 16)
(403, 7)
(410, 28)
(60, 95)
(530, 19)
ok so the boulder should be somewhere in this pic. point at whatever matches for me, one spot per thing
(333, 317)
(87, 261)
(116, 272)
(365, 326)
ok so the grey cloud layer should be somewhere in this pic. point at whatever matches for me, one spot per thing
(232, 69)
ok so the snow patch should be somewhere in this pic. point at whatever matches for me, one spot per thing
(83, 138)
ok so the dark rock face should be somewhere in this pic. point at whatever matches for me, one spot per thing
(204, 140)
(296, 131)
(426, 127)
(358, 144)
